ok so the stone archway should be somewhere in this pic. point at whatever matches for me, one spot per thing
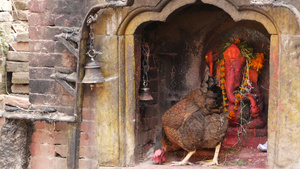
(134, 26)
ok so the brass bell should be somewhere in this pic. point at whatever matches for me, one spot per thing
(92, 73)
(145, 94)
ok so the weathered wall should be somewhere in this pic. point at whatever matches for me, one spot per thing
(47, 18)
(15, 60)
(49, 141)
(14, 143)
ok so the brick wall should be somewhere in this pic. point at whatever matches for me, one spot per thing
(46, 19)
(49, 144)
(48, 148)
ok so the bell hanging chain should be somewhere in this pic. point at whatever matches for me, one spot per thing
(145, 63)
(173, 82)
(92, 53)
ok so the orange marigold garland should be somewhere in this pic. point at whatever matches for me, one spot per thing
(231, 114)
(258, 62)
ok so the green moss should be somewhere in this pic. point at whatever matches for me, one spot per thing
(4, 40)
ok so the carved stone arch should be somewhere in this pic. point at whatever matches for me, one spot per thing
(246, 13)
(162, 11)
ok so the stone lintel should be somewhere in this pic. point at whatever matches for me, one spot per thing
(37, 116)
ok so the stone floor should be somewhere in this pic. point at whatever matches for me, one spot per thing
(237, 152)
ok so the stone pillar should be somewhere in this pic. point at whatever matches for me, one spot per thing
(284, 117)
(107, 102)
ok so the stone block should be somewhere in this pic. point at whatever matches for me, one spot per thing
(60, 48)
(68, 20)
(41, 86)
(88, 152)
(42, 125)
(61, 126)
(88, 163)
(12, 66)
(21, 15)
(61, 151)
(42, 136)
(5, 17)
(42, 149)
(46, 87)
(42, 46)
(20, 77)
(40, 73)
(41, 162)
(20, 46)
(50, 100)
(17, 56)
(44, 32)
(21, 5)
(44, 60)
(41, 19)
(17, 101)
(60, 162)
(5, 5)
(2, 99)
(22, 37)
(35, 6)
(20, 26)
(19, 88)
(60, 138)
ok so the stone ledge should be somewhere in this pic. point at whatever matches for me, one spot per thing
(20, 77)
(5, 17)
(15, 100)
(37, 116)
(17, 56)
(12, 66)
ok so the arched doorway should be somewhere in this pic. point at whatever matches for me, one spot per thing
(177, 64)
